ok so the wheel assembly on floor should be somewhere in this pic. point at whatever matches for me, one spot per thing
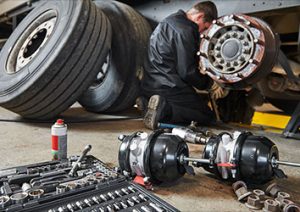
(52, 57)
(116, 86)
(238, 50)
(164, 157)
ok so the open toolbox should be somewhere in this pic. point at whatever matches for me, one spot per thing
(48, 186)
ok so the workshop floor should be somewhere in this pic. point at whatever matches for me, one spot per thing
(25, 143)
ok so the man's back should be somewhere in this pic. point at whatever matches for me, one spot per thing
(172, 56)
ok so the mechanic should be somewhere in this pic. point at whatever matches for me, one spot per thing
(172, 69)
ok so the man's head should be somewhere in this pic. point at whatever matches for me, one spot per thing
(203, 14)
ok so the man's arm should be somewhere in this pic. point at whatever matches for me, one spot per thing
(187, 61)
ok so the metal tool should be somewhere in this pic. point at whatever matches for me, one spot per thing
(36, 193)
(62, 209)
(89, 202)
(71, 207)
(146, 209)
(136, 199)
(79, 204)
(19, 198)
(4, 201)
(61, 189)
(284, 163)
(6, 189)
(76, 165)
(156, 207)
(190, 136)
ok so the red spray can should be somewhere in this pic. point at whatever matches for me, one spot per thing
(59, 140)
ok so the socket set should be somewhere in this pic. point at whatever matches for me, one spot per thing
(77, 184)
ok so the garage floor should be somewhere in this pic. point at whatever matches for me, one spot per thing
(25, 143)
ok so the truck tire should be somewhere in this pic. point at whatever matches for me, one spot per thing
(119, 88)
(131, 90)
(52, 57)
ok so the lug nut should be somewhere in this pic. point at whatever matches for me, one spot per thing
(282, 195)
(259, 193)
(254, 202)
(291, 208)
(283, 202)
(271, 206)
(240, 189)
(272, 190)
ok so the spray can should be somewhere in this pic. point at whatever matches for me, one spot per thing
(59, 140)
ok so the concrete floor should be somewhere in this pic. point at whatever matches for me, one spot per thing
(25, 143)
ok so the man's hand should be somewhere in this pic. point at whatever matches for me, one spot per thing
(217, 92)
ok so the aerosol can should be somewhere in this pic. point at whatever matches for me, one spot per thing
(59, 140)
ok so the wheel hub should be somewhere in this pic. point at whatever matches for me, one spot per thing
(34, 42)
(237, 47)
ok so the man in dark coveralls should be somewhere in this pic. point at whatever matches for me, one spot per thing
(172, 70)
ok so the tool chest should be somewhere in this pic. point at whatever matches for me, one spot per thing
(95, 186)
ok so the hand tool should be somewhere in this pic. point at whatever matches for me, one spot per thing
(75, 166)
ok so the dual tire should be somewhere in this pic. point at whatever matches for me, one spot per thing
(56, 54)
(120, 87)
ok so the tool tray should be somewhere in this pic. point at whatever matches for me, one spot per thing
(47, 186)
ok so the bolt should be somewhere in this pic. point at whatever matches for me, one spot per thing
(211, 52)
(245, 43)
(241, 37)
(235, 63)
(234, 34)
(218, 47)
(241, 58)
(253, 61)
(227, 36)
(246, 51)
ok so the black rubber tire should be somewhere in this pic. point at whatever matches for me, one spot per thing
(64, 67)
(120, 87)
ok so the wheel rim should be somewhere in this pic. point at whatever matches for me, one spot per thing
(31, 42)
(238, 50)
(102, 73)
